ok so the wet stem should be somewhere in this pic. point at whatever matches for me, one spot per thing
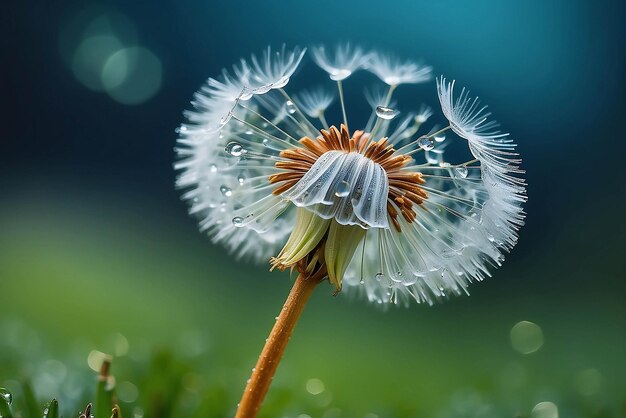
(275, 345)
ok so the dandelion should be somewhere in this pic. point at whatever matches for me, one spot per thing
(343, 63)
(315, 102)
(378, 212)
(393, 71)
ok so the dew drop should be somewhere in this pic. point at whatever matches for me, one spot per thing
(461, 171)
(444, 164)
(226, 191)
(6, 395)
(425, 143)
(291, 107)
(386, 113)
(379, 276)
(241, 179)
(265, 141)
(238, 221)
(343, 189)
(440, 138)
(213, 168)
(234, 148)
(225, 119)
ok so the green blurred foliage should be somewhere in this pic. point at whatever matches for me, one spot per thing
(184, 323)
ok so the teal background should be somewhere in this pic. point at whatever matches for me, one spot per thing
(95, 240)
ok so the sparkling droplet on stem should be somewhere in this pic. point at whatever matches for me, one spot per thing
(291, 107)
(234, 148)
(226, 191)
(386, 113)
(461, 171)
(238, 221)
(425, 143)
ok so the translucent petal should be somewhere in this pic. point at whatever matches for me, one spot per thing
(347, 186)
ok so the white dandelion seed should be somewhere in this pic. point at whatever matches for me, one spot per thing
(342, 63)
(393, 71)
(377, 210)
(315, 102)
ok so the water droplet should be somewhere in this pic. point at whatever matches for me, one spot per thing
(291, 107)
(440, 138)
(241, 179)
(444, 164)
(379, 276)
(238, 221)
(6, 395)
(386, 113)
(425, 143)
(265, 141)
(213, 168)
(461, 171)
(234, 148)
(226, 191)
(343, 189)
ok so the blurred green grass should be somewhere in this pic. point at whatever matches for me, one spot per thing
(75, 274)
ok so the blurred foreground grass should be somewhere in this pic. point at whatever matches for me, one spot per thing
(184, 324)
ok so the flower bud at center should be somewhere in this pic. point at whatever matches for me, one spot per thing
(319, 247)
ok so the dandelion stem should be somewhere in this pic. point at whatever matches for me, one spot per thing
(322, 119)
(343, 105)
(392, 88)
(262, 374)
(438, 132)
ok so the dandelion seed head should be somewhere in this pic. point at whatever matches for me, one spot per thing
(378, 210)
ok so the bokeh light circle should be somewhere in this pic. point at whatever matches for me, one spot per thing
(132, 75)
(90, 58)
(526, 337)
(545, 410)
